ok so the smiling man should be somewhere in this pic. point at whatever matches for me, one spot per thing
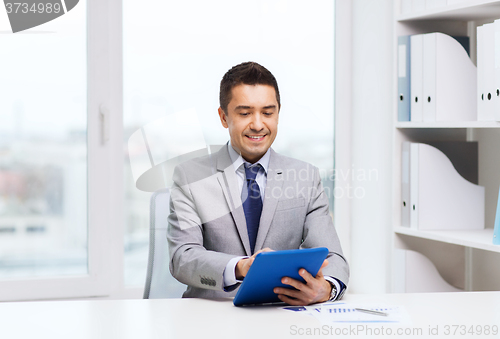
(251, 116)
(231, 205)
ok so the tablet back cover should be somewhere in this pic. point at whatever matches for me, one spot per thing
(269, 267)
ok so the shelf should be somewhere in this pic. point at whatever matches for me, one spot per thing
(448, 124)
(478, 268)
(480, 239)
(466, 11)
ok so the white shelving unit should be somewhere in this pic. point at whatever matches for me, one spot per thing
(474, 239)
(450, 124)
(467, 10)
(479, 259)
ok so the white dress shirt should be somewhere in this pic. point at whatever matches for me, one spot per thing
(261, 179)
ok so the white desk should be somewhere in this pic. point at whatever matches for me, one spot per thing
(196, 318)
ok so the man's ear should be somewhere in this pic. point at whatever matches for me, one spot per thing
(223, 118)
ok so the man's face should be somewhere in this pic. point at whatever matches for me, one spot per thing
(252, 120)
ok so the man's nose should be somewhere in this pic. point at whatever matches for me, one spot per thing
(257, 124)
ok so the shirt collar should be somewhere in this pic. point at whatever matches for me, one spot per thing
(238, 160)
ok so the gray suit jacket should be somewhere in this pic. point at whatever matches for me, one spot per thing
(207, 227)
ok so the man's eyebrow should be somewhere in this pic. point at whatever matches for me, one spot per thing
(250, 107)
(243, 107)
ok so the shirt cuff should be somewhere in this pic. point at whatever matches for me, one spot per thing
(229, 275)
(337, 285)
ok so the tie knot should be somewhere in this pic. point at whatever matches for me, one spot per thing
(251, 172)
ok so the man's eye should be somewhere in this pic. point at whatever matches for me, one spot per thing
(244, 113)
(268, 113)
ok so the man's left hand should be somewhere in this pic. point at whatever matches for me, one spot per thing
(315, 290)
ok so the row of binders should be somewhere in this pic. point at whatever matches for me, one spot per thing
(488, 72)
(436, 79)
(417, 6)
(439, 188)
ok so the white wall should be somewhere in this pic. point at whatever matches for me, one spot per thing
(343, 109)
(371, 145)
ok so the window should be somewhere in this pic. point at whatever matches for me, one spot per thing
(175, 53)
(43, 150)
(72, 222)
(54, 191)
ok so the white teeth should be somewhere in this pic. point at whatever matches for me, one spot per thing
(251, 137)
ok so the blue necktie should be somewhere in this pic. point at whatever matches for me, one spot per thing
(252, 204)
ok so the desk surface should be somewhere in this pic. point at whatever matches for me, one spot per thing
(197, 318)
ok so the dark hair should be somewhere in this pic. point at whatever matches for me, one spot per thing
(248, 73)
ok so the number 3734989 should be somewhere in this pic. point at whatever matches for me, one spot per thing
(25, 8)
(470, 330)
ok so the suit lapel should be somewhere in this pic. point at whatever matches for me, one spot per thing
(271, 198)
(229, 184)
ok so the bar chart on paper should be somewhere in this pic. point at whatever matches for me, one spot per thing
(330, 313)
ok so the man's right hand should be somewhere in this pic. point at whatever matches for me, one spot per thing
(243, 265)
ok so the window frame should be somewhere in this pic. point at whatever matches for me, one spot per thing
(105, 231)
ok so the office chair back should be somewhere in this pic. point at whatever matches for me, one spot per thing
(159, 281)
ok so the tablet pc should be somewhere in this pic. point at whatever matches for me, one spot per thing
(269, 267)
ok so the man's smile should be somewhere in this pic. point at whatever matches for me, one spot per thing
(255, 137)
